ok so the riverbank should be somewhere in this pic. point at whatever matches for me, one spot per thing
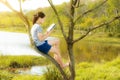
(84, 71)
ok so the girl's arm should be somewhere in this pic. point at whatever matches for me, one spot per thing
(43, 36)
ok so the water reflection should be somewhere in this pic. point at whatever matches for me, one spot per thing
(35, 70)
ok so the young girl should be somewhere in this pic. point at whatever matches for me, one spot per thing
(40, 41)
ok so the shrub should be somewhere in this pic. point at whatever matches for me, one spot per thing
(4, 75)
(110, 34)
(52, 74)
(117, 35)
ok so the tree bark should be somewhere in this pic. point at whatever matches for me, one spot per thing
(72, 62)
(69, 42)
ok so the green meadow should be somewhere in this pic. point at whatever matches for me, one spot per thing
(109, 70)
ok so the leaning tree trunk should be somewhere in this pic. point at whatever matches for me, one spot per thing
(27, 25)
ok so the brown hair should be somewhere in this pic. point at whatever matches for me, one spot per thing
(36, 16)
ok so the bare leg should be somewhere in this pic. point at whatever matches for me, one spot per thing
(56, 50)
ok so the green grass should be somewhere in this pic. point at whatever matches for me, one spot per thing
(21, 61)
(21, 29)
(5, 75)
(99, 71)
(106, 40)
(84, 71)
(28, 77)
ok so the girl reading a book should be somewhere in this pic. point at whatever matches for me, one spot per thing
(40, 41)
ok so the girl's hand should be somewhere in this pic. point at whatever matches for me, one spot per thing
(49, 32)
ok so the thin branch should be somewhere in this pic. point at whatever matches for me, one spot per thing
(25, 21)
(20, 4)
(90, 10)
(5, 2)
(53, 61)
(101, 25)
(60, 22)
(76, 3)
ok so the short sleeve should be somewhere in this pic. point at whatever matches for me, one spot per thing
(39, 29)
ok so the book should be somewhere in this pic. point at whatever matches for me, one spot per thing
(51, 27)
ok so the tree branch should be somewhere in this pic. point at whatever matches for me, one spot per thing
(90, 10)
(60, 22)
(101, 25)
(20, 4)
(5, 2)
(76, 3)
(53, 61)
(20, 14)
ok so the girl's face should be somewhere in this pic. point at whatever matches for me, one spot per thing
(41, 20)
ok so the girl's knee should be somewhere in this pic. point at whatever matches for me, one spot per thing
(57, 41)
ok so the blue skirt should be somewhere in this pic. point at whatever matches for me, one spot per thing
(45, 47)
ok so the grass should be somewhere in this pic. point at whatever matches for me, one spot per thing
(5, 75)
(84, 71)
(114, 41)
(21, 29)
(28, 77)
(21, 61)
(99, 71)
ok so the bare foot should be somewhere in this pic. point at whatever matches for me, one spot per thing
(65, 65)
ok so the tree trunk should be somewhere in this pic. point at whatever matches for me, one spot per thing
(29, 34)
(27, 25)
(70, 44)
(72, 62)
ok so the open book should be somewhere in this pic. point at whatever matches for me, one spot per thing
(51, 27)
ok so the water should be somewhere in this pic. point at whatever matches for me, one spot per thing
(93, 51)
(96, 51)
(12, 43)
(35, 70)
(15, 44)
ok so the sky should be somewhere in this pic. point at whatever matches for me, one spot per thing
(30, 4)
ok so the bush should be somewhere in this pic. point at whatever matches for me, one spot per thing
(117, 35)
(14, 64)
(4, 75)
(95, 71)
(28, 77)
(52, 74)
(110, 34)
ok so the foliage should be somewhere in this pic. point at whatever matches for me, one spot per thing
(10, 22)
(52, 74)
(28, 77)
(95, 71)
(84, 71)
(5, 75)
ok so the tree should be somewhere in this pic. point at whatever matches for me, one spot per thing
(69, 38)
(115, 8)
(21, 16)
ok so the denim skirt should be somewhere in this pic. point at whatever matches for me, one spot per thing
(45, 47)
